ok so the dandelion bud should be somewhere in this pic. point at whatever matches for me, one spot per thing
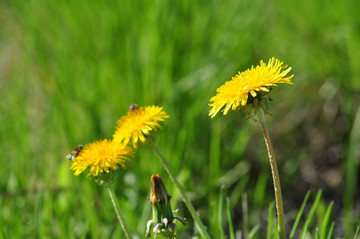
(163, 219)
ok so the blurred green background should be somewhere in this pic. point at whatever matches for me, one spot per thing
(70, 69)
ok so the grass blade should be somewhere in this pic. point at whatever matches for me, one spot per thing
(304, 230)
(357, 232)
(351, 165)
(253, 231)
(331, 230)
(326, 221)
(298, 216)
(270, 220)
(317, 233)
(231, 225)
(260, 189)
(245, 216)
(276, 233)
(311, 214)
(220, 214)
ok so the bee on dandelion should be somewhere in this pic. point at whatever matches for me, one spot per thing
(137, 127)
(101, 157)
(76, 151)
(138, 124)
(133, 107)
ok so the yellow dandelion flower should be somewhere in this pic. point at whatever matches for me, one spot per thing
(138, 123)
(253, 83)
(100, 156)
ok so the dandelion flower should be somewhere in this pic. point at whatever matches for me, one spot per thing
(138, 123)
(249, 86)
(101, 156)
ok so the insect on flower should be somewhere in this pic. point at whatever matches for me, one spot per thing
(133, 107)
(74, 153)
(138, 123)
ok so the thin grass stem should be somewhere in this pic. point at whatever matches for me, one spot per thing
(118, 211)
(231, 225)
(221, 213)
(245, 215)
(187, 202)
(275, 176)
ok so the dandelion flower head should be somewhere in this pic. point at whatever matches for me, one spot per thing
(101, 156)
(248, 85)
(138, 123)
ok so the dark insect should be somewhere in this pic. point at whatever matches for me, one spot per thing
(133, 107)
(74, 153)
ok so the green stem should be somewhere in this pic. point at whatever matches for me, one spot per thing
(275, 176)
(187, 202)
(117, 210)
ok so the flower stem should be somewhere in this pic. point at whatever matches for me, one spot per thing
(117, 210)
(187, 202)
(275, 176)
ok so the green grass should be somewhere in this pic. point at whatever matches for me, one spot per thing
(69, 70)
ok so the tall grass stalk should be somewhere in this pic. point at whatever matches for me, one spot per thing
(275, 176)
(187, 202)
(118, 211)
